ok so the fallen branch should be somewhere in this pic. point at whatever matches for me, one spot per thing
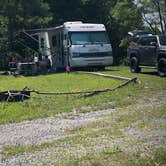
(20, 95)
(104, 75)
(113, 89)
(86, 93)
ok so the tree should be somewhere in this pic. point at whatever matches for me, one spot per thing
(22, 14)
(96, 11)
(3, 41)
(16, 15)
(154, 14)
(65, 10)
(124, 16)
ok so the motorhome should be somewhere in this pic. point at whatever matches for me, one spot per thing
(76, 44)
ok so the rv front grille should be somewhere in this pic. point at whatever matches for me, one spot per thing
(98, 54)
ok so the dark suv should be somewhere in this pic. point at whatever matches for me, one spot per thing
(148, 51)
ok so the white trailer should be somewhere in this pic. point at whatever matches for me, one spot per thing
(75, 44)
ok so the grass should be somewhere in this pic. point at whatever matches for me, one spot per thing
(108, 135)
(104, 142)
(42, 106)
(115, 156)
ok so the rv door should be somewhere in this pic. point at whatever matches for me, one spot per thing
(44, 45)
(66, 46)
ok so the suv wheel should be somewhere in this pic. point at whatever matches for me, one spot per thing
(134, 65)
(162, 67)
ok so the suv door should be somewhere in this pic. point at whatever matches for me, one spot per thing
(148, 48)
(142, 46)
(152, 50)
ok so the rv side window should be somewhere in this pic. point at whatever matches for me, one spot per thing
(54, 41)
(42, 42)
(35, 42)
(65, 37)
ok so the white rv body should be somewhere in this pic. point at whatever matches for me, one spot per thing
(76, 44)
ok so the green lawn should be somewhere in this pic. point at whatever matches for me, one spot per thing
(42, 106)
(140, 108)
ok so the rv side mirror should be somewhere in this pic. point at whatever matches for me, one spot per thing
(66, 44)
(69, 45)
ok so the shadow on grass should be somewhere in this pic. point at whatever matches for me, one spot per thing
(60, 71)
(154, 73)
(110, 70)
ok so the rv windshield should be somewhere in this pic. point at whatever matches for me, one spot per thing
(162, 40)
(80, 38)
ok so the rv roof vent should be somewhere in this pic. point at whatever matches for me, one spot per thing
(74, 22)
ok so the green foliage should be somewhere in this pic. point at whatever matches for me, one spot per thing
(17, 15)
(26, 14)
(126, 14)
(3, 41)
(65, 10)
(125, 17)
(154, 14)
(36, 15)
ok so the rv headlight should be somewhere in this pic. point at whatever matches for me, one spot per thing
(75, 55)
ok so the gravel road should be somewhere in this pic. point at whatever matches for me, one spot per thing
(43, 130)
(46, 129)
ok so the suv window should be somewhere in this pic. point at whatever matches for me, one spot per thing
(143, 41)
(146, 41)
(162, 40)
